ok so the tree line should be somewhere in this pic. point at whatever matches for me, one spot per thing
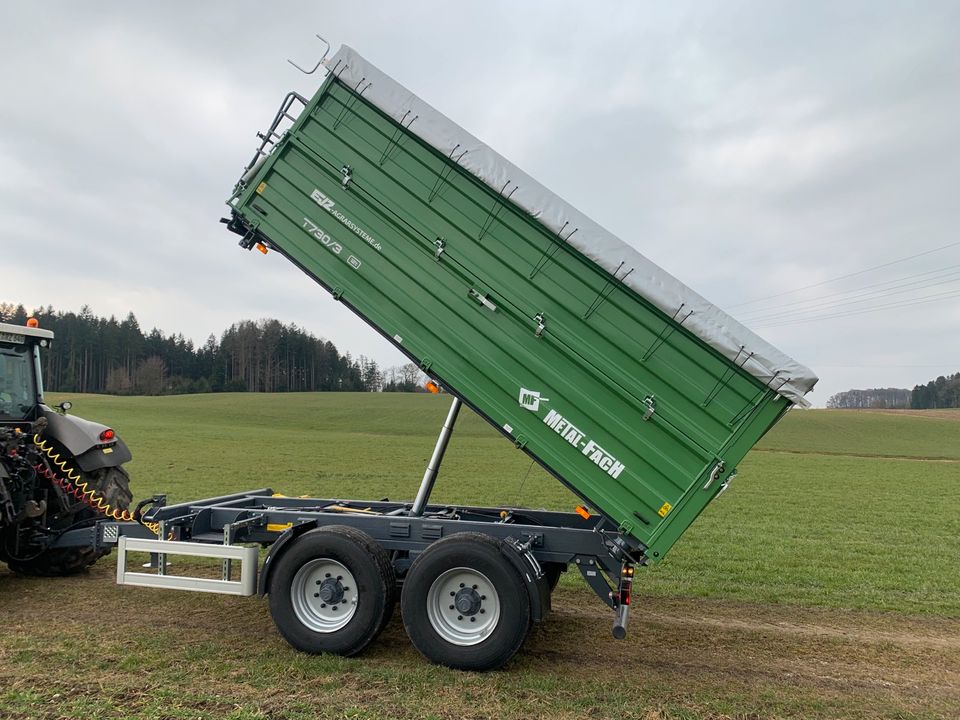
(944, 392)
(106, 355)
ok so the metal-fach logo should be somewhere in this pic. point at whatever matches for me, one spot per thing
(571, 433)
(530, 399)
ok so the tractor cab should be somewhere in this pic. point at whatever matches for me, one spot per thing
(21, 378)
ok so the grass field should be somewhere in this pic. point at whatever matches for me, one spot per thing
(825, 584)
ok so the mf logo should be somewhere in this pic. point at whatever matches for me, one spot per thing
(322, 200)
(530, 399)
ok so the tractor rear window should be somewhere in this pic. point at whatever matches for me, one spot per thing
(16, 382)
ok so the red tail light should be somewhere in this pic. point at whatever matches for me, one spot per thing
(107, 435)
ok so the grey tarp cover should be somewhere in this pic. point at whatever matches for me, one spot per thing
(707, 321)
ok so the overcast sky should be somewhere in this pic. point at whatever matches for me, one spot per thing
(749, 148)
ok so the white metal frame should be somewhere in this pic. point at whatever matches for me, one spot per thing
(248, 557)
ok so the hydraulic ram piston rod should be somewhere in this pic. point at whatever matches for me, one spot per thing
(433, 467)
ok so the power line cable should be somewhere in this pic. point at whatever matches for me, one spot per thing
(848, 275)
(877, 295)
(949, 270)
(897, 305)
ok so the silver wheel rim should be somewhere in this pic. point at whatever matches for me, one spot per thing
(463, 606)
(324, 595)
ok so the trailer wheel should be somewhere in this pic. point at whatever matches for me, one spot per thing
(332, 591)
(464, 604)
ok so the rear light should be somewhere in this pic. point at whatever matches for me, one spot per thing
(107, 435)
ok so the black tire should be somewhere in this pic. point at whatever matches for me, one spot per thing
(308, 623)
(112, 484)
(552, 572)
(446, 638)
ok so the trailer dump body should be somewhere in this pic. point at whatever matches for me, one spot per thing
(627, 386)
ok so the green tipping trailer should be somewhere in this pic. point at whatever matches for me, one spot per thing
(626, 386)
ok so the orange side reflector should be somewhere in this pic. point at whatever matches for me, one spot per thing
(33, 322)
(431, 386)
(262, 248)
(583, 512)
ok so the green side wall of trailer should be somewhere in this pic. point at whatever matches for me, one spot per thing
(614, 397)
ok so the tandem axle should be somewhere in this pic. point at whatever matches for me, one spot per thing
(471, 580)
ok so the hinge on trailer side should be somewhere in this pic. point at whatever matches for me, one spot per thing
(726, 483)
(440, 244)
(714, 474)
(347, 176)
(541, 321)
(651, 402)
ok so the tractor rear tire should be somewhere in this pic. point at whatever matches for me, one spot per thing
(113, 484)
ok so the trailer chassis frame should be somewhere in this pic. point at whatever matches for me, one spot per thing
(216, 528)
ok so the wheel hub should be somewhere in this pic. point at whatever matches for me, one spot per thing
(463, 606)
(324, 595)
(467, 601)
(331, 591)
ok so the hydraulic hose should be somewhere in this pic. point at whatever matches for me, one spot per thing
(72, 483)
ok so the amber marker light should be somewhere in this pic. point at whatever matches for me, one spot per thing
(583, 512)
(431, 386)
(33, 322)
(262, 248)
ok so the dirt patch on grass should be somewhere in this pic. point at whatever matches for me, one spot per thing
(83, 647)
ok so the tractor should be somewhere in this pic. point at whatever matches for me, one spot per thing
(58, 472)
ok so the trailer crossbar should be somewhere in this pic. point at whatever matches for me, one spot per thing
(247, 557)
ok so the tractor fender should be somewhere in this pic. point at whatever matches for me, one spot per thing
(81, 438)
(277, 549)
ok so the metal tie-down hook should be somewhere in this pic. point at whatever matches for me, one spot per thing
(319, 62)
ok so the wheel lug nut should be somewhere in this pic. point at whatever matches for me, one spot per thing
(451, 607)
(473, 619)
(474, 587)
(482, 611)
(345, 588)
(327, 575)
(339, 577)
(323, 605)
(316, 594)
(459, 617)
(483, 597)
(462, 585)
(334, 607)
(319, 582)
(452, 593)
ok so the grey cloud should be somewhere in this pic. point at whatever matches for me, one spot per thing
(748, 147)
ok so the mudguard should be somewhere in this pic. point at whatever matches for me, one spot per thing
(537, 588)
(81, 438)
